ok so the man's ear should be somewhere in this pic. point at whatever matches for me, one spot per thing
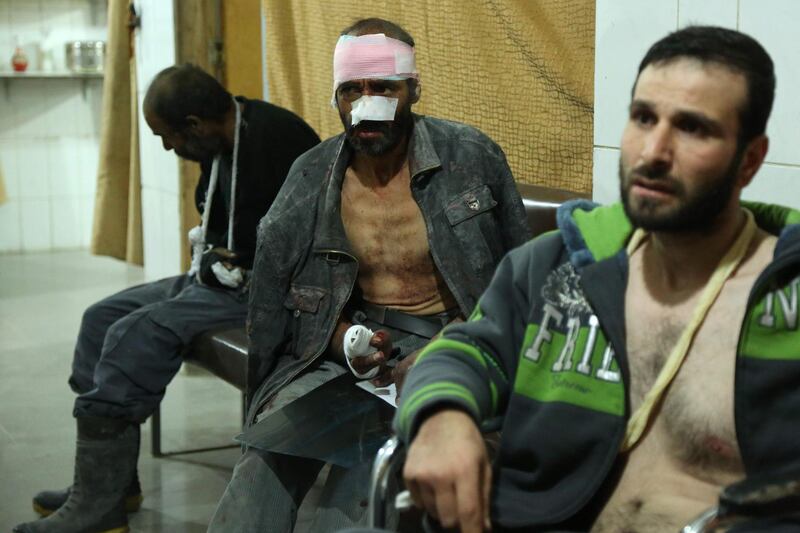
(754, 154)
(194, 124)
(416, 91)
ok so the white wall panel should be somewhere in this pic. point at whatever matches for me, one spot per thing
(155, 45)
(605, 188)
(36, 228)
(708, 12)
(10, 233)
(776, 184)
(8, 162)
(775, 24)
(63, 166)
(32, 169)
(624, 30)
(66, 221)
(49, 128)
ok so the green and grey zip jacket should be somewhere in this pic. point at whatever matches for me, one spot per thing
(544, 352)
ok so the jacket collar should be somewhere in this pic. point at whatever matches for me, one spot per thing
(592, 232)
(329, 234)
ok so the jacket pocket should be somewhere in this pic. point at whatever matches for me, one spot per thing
(303, 303)
(472, 217)
(469, 204)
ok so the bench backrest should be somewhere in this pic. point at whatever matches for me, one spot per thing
(541, 204)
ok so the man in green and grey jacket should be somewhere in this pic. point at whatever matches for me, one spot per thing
(646, 354)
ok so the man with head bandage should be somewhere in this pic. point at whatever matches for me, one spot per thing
(395, 225)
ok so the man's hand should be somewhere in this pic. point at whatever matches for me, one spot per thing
(227, 257)
(397, 374)
(380, 340)
(448, 473)
(209, 258)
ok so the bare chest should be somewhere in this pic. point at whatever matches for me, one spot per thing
(385, 226)
(689, 450)
(695, 421)
(388, 234)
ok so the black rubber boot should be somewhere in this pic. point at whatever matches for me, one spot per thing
(48, 501)
(105, 464)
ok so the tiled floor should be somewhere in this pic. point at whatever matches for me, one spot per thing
(42, 297)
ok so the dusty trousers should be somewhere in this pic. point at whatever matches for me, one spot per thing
(130, 344)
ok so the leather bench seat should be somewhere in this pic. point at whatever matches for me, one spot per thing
(223, 352)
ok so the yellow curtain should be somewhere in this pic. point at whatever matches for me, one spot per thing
(520, 70)
(241, 30)
(3, 196)
(117, 215)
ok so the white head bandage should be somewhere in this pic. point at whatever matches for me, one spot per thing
(373, 56)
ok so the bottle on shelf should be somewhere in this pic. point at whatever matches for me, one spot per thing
(19, 61)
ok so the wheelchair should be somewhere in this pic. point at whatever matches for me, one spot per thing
(774, 496)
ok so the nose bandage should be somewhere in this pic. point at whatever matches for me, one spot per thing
(373, 108)
(372, 57)
(356, 344)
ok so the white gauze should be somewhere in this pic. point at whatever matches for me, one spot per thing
(356, 344)
(373, 108)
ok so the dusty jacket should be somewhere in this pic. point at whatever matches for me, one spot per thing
(305, 268)
(545, 352)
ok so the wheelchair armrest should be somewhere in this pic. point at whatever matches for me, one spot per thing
(388, 460)
(764, 496)
(772, 494)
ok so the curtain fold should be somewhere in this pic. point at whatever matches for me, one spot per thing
(3, 196)
(117, 229)
(520, 70)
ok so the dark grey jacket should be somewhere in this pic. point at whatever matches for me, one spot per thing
(305, 269)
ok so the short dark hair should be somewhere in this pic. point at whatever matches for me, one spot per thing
(734, 50)
(376, 25)
(179, 91)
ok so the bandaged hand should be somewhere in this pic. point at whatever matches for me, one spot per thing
(218, 269)
(366, 352)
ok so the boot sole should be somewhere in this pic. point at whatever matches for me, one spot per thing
(132, 504)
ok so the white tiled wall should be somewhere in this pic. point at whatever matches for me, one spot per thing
(155, 50)
(49, 128)
(624, 31)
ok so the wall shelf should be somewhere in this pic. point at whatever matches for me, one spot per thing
(7, 76)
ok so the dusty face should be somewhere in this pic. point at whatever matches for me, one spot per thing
(375, 137)
(186, 143)
(680, 163)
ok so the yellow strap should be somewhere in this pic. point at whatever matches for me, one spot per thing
(638, 422)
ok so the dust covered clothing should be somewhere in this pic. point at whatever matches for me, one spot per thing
(129, 345)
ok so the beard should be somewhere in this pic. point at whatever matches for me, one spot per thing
(392, 132)
(197, 148)
(695, 211)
